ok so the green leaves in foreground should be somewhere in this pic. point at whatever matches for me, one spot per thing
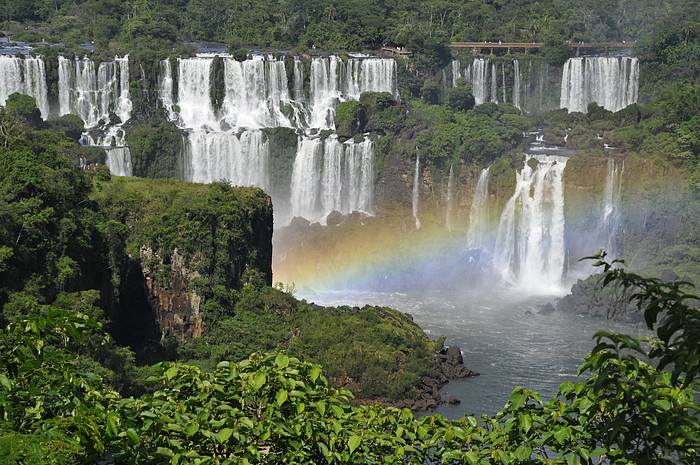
(276, 409)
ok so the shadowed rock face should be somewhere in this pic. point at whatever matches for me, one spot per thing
(175, 304)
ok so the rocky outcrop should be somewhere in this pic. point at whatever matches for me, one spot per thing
(449, 366)
(588, 297)
(180, 242)
(175, 302)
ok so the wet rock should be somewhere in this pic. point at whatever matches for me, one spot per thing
(453, 400)
(547, 309)
(334, 218)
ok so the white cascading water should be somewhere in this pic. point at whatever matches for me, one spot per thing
(477, 75)
(456, 72)
(611, 204)
(415, 197)
(242, 160)
(228, 144)
(611, 82)
(494, 83)
(448, 210)
(165, 89)
(479, 213)
(516, 83)
(503, 82)
(193, 94)
(255, 91)
(333, 81)
(119, 161)
(24, 76)
(331, 176)
(93, 93)
(529, 251)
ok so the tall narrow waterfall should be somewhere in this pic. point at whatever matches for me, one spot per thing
(494, 83)
(516, 84)
(24, 76)
(165, 88)
(477, 75)
(479, 214)
(241, 159)
(332, 176)
(415, 198)
(611, 82)
(611, 204)
(529, 250)
(456, 72)
(448, 210)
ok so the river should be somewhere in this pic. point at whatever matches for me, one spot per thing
(501, 335)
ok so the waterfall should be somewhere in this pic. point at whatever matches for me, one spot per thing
(611, 205)
(332, 176)
(611, 82)
(529, 250)
(479, 213)
(242, 160)
(24, 76)
(165, 89)
(119, 161)
(298, 80)
(333, 81)
(456, 72)
(494, 83)
(193, 93)
(516, 84)
(448, 212)
(477, 74)
(503, 78)
(93, 93)
(415, 198)
(255, 91)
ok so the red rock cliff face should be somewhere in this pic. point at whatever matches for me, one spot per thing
(175, 303)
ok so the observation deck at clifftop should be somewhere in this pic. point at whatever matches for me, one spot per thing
(477, 46)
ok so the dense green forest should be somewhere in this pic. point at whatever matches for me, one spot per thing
(333, 24)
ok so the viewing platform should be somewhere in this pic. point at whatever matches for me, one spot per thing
(477, 47)
(397, 51)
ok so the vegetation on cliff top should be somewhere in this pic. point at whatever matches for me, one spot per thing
(71, 237)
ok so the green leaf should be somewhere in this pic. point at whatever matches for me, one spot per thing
(131, 433)
(164, 451)
(111, 426)
(5, 382)
(224, 434)
(472, 458)
(282, 361)
(258, 381)
(281, 397)
(516, 399)
(315, 373)
(571, 459)
(523, 452)
(191, 429)
(525, 422)
(171, 372)
(354, 442)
